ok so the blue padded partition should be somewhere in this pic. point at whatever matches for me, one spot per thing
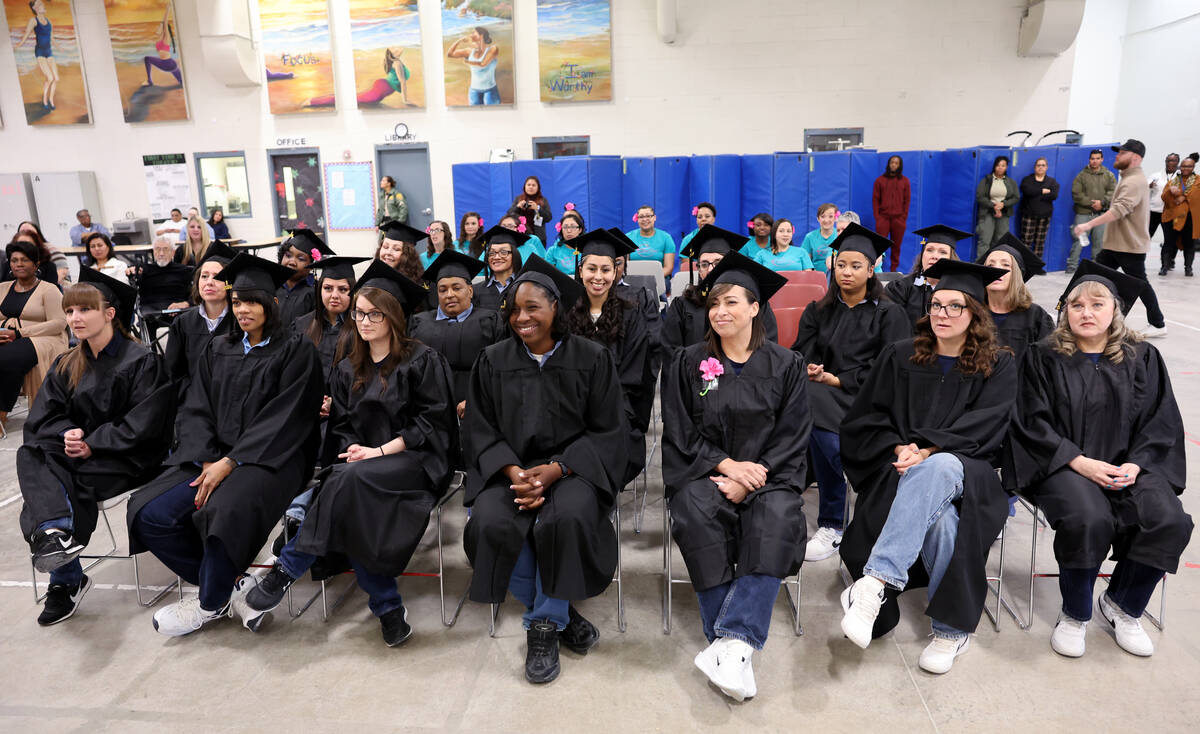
(916, 163)
(957, 194)
(865, 167)
(828, 181)
(758, 191)
(926, 207)
(791, 185)
(604, 192)
(472, 189)
(637, 189)
(544, 170)
(700, 185)
(671, 195)
(571, 185)
(727, 191)
(501, 193)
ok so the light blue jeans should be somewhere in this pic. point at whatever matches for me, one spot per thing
(484, 96)
(922, 522)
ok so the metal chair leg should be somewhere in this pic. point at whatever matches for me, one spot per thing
(667, 580)
(492, 619)
(620, 589)
(137, 586)
(794, 601)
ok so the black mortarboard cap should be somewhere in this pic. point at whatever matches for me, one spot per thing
(941, 233)
(616, 232)
(220, 251)
(120, 296)
(452, 264)
(1028, 261)
(741, 270)
(384, 277)
(603, 243)
(956, 275)
(306, 240)
(500, 235)
(537, 270)
(711, 238)
(338, 267)
(1125, 288)
(249, 273)
(857, 238)
(401, 232)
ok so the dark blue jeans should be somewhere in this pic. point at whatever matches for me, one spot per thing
(382, 594)
(826, 448)
(70, 574)
(165, 527)
(1130, 588)
(526, 587)
(740, 609)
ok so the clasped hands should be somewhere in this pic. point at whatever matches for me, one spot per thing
(1106, 475)
(74, 445)
(817, 373)
(909, 455)
(530, 484)
(737, 479)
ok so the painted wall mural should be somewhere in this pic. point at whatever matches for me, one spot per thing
(575, 50)
(389, 72)
(49, 67)
(477, 39)
(145, 44)
(298, 55)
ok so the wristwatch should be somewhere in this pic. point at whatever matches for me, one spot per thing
(563, 468)
(232, 462)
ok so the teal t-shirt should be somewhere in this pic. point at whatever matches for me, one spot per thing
(532, 246)
(655, 247)
(817, 248)
(752, 250)
(793, 258)
(427, 259)
(562, 256)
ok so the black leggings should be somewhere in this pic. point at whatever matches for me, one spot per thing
(1172, 241)
(16, 359)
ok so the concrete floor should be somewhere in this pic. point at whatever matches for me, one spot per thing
(107, 670)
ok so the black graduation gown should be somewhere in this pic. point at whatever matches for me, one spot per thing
(760, 415)
(296, 302)
(966, 415)
(1116, 413)
(648, 307)
(847, 341)
(1023, 328)
(684, 323)
(125, 405)
(327, 349)
(460, 342)
(486, 296)
(260, 409)
(376, 510)
(913, 294)
(186, 341)
(160, 286)
(569, 410)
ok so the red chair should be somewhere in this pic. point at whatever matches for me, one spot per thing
(807, 277)
(797, 295)
(788, 322)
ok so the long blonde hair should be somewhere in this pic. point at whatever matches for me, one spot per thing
(191, 257)
(1120, 337)
(74, 362)
(1017, 296)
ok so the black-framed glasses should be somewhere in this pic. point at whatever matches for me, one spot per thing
(374, 317)
(953, 310)
(500, 253)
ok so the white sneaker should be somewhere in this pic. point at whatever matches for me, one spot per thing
(1128, 630)
(1069, 638)
(251, 619)
(726, 662)
(1154, 332)
(185, 617)
(938, 656)
(861, 603)
(824, 544)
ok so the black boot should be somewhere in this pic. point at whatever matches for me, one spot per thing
(580, 635)
(1163, 270)
(1187, 272)
(541, 660)
(396, 628)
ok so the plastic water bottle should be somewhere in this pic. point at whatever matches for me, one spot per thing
(1084, 240)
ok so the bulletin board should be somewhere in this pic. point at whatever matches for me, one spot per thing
(350, 195)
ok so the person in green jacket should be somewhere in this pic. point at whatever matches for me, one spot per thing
(1092, 192)
(392, 206)
(995, 197)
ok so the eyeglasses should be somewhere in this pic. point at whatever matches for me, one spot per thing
(702, 265)
(571, 227)
(499, 253)
(953, 310)
(374, 317)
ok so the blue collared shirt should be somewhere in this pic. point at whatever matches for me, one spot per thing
(212, 323)
(441, 316)
(246, 346)
(541, 362)
(493, 283)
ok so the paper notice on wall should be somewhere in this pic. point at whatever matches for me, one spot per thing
(347, 197)
(339, 179)
(168, 184)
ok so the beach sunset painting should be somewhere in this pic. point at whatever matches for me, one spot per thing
(49, 67)
(389, 72)
(477, 42)
(145, 45)
(298, 55)
(575, 50)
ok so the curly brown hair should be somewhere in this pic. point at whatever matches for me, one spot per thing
(979, 353)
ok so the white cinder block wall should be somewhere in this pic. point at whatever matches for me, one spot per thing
(742, 77)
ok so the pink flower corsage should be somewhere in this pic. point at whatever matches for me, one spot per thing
(316, 254)
(569, 206)
(695, 210)
(710, 370)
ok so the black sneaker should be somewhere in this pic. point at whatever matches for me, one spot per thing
(541, 660)
(291, 526)
(270, 590)
(580, 635)
(62, 601)
(53, 549)
(396, 629)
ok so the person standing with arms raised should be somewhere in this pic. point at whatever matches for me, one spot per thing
(1128, 224)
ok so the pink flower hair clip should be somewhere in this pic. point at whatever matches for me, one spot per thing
(558, 226)
(710, 370)
(750, 224)
(481, 222)
(316, 254)
(569, 206)
(635, 218)
(521, 226)
(695, 210)
(429, 229)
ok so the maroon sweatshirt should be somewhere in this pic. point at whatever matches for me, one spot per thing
(890, 197)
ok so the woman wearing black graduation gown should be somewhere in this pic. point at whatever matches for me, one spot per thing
(1019, 321)
(391, 430)
(100, 426)
(545, 442)
(840, 336)
(247, 442)
(297, 295)
(919, 445)
(1100, 447)
(912, 291)
(502, 258)
(608, 319)
(684, 322)
(323, 325)
(192, 330)
(457, 329)
(735, 431)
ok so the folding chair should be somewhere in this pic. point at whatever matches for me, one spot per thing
(787, 322)
(111, 555)
(669, 579)
(808, 277)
